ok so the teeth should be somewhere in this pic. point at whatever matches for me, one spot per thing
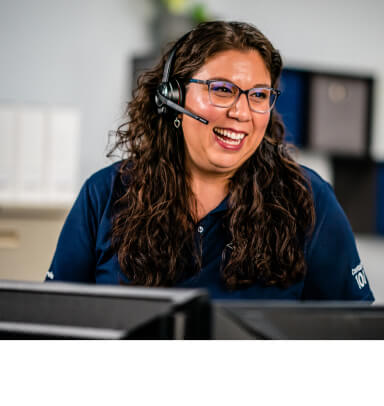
(231, 142)
(229, 134)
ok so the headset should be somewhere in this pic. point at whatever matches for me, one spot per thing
(171, 93)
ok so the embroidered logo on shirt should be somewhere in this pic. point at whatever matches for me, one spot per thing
(360, 277)
(50, 275)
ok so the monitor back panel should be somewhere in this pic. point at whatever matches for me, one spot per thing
(302, 321)
(123, 309)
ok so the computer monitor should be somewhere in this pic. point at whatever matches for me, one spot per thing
(297, 320)
(71, 310)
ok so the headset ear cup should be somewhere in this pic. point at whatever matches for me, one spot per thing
(172, 91)
(176, 92)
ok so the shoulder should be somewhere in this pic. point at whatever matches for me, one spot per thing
(104, 178)
(99, 190)
(102, 183)
(329, 213)
(318, 184)
(323, 194)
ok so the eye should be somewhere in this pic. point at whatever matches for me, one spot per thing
(223, 89)
(259, 94)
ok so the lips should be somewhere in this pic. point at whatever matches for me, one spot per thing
(229, 138)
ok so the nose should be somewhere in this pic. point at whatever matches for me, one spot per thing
(240, 110)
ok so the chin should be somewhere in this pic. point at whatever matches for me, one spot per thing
(226, 163)
(224, 167)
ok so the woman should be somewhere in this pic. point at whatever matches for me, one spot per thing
(208, 195)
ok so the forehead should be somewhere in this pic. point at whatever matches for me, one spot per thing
(244, 68)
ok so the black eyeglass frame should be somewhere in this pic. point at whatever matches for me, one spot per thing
(241, 91)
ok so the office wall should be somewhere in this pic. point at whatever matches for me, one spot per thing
(73, 53)
(77, 52)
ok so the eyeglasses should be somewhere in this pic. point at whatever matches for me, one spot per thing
(226, 94)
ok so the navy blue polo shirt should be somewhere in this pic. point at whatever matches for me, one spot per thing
(83, 252)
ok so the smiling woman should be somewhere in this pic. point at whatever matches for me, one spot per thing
(234, 130)
(207, 194)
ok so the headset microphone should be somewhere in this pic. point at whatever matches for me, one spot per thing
(170, 93)
(177, 107)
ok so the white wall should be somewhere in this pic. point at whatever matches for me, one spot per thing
(78, 53)
(74, 53)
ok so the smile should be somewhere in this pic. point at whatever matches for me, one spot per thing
(229, 137)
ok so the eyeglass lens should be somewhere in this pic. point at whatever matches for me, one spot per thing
(225, 94)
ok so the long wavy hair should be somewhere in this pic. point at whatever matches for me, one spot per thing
(271, 208)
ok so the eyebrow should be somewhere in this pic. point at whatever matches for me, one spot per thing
(230, 81)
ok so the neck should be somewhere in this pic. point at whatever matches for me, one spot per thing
(209, 191)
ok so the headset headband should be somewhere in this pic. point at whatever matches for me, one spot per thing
(168, 64)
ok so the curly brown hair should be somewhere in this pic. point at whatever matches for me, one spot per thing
(271, 208)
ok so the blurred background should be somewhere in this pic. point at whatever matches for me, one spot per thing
(67, 70)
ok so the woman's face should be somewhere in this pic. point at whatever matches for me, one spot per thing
(207, 152)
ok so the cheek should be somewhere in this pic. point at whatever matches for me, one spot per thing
(260, 124)
(198, 103)
(196, 134)
(264, 120)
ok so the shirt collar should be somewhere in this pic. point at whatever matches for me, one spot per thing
(223, 206)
